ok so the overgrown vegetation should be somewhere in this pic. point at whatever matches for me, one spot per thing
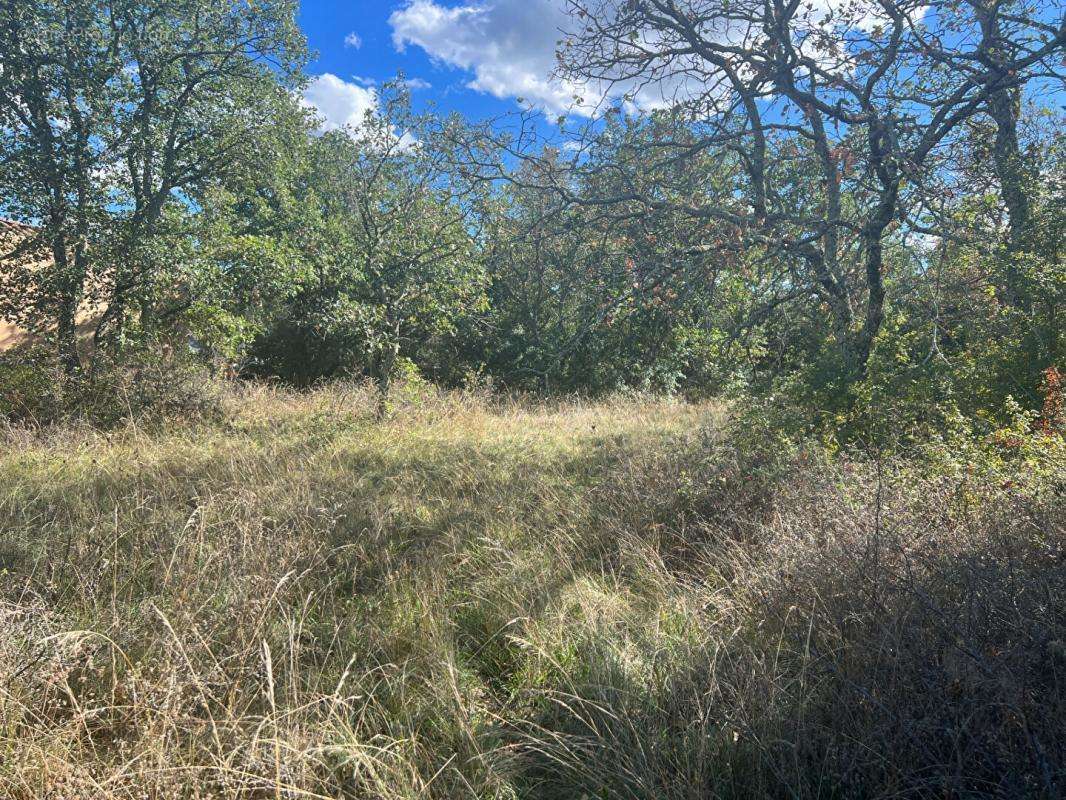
(859, 207)
(707, 441)
(490, 598)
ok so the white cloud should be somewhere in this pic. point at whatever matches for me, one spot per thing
(340, 105)
(416, 84)
(509, 45)
(337, 102)
(353, 39)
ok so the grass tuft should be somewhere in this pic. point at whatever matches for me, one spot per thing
(491, 598)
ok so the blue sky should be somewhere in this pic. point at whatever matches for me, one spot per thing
(471, 56)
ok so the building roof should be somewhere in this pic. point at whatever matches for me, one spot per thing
(11, 226)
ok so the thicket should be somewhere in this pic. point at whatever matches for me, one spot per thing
(858, 214)
(690, 449)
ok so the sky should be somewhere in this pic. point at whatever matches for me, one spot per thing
(481, 58)
(477, 57)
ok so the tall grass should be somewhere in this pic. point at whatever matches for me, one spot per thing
(491, 598)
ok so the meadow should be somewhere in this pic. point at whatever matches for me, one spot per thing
(486, 597)
(658, 400)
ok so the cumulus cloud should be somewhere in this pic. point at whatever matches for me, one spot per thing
(417, 84)
(353, 39)
(340, 105)
(337, 102)
(509, 45)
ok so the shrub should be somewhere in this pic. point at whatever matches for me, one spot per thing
(144, 382)
(153, 381)
(822, 626)
(299, 353)
(30, 388)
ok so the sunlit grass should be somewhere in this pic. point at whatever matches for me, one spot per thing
(489, 597)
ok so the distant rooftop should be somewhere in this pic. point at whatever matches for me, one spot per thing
(14, 227)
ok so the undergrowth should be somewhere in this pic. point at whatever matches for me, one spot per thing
(489, 598)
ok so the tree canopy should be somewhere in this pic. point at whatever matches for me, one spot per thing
(855, 203)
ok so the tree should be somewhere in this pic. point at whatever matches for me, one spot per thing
(593, 297)
(115, 117)
(391, 261)
(838, 115)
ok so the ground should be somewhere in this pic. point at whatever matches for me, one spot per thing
(479, 597)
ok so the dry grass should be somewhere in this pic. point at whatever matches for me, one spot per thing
(492, 599)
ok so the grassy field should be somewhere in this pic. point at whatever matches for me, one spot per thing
(477, 598)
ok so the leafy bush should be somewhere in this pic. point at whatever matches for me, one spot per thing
(300, 353)
(144, 382)
(29, 388)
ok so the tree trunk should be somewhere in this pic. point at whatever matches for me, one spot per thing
(1004, 106)
(383, 369)
(108, 330)
(1014, 179)
(68, 290)
(1010, 166)
(873, 234)
(67, 337)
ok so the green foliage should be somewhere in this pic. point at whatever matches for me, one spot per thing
(28, 391)
(178, 189)
(583, 299)
(390, 265)
(145, 383)
(116, 119)
(846, 583)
